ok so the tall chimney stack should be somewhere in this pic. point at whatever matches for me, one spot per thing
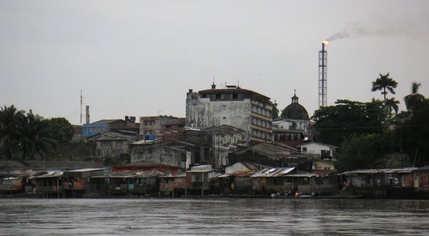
(323, 76)
(87, 115)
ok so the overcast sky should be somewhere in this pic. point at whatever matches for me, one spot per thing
(140, 58)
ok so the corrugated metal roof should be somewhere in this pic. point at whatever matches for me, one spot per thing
(202, 167)
(145, 174)
(199, 171)
(273, 151)
(302, 175)
(147, 164)
(51, 175)
(381, 171)
(422, 169)
(273, 172)
(86, 170)
(177, 175)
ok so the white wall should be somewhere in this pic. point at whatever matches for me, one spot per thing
(315, 148)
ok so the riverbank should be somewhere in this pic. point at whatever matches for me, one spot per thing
(398, 194)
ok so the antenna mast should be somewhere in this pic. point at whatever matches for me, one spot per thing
(81, 103)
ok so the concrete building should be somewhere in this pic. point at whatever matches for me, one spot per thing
(113, 144)
(318, 150)
(168, 154)
(110, 125)
(293, 126)
(224, 140)
(234, 106)
(153, 127)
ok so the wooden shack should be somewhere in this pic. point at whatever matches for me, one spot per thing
(173, 186)
(272, 180)
(11, 184)
(50, 185)
(74, 181)
(198, 180)
(312, 184)
(124, 184)
(421, 179)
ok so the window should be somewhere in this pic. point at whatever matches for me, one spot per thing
(304, 181)
(304, 149)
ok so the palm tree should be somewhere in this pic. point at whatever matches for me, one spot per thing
(384, 83)
(10, 118)
(414, 100)
(35, 138)
(392, 104)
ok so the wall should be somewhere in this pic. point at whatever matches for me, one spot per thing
(322, 165)
(203, 113)
(93, 129)
(113, 148)
(315, 148)
(156, 153)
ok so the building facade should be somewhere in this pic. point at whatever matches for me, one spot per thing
(110, 125)
(153, 127)
(234, 106)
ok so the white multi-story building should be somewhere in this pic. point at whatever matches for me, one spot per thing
(234, 106)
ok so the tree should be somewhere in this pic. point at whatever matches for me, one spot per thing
(367, 151)
(392, 105)
(61, 129)
(384, 83)
(411, 134)
(34, 138)
(335, 123)
(110, 160)
(414, 100)
(275, 111)
(10, 117)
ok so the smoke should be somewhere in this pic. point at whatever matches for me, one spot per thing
(405, 26)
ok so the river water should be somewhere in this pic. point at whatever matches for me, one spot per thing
(213, 217)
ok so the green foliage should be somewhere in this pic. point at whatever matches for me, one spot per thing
(335, 123)
(411, 133)
(365, 151)
(275, 111)
(384, 83)
(77, 159)
(27, 136)
(10, 118)
(398, 160)
(84, 149)
(61, 129)
(110, 161)
(34, 138)
(392, 105)
(414, 101)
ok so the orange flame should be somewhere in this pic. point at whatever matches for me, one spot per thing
(325, 42)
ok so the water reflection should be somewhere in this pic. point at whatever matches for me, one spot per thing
(212, 217)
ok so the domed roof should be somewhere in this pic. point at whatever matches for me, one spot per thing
(295, 110)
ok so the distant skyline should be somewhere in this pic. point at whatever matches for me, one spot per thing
(140, 58)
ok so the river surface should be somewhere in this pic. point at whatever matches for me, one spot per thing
(213, 217)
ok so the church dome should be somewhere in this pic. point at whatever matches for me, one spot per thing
(295, 110)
